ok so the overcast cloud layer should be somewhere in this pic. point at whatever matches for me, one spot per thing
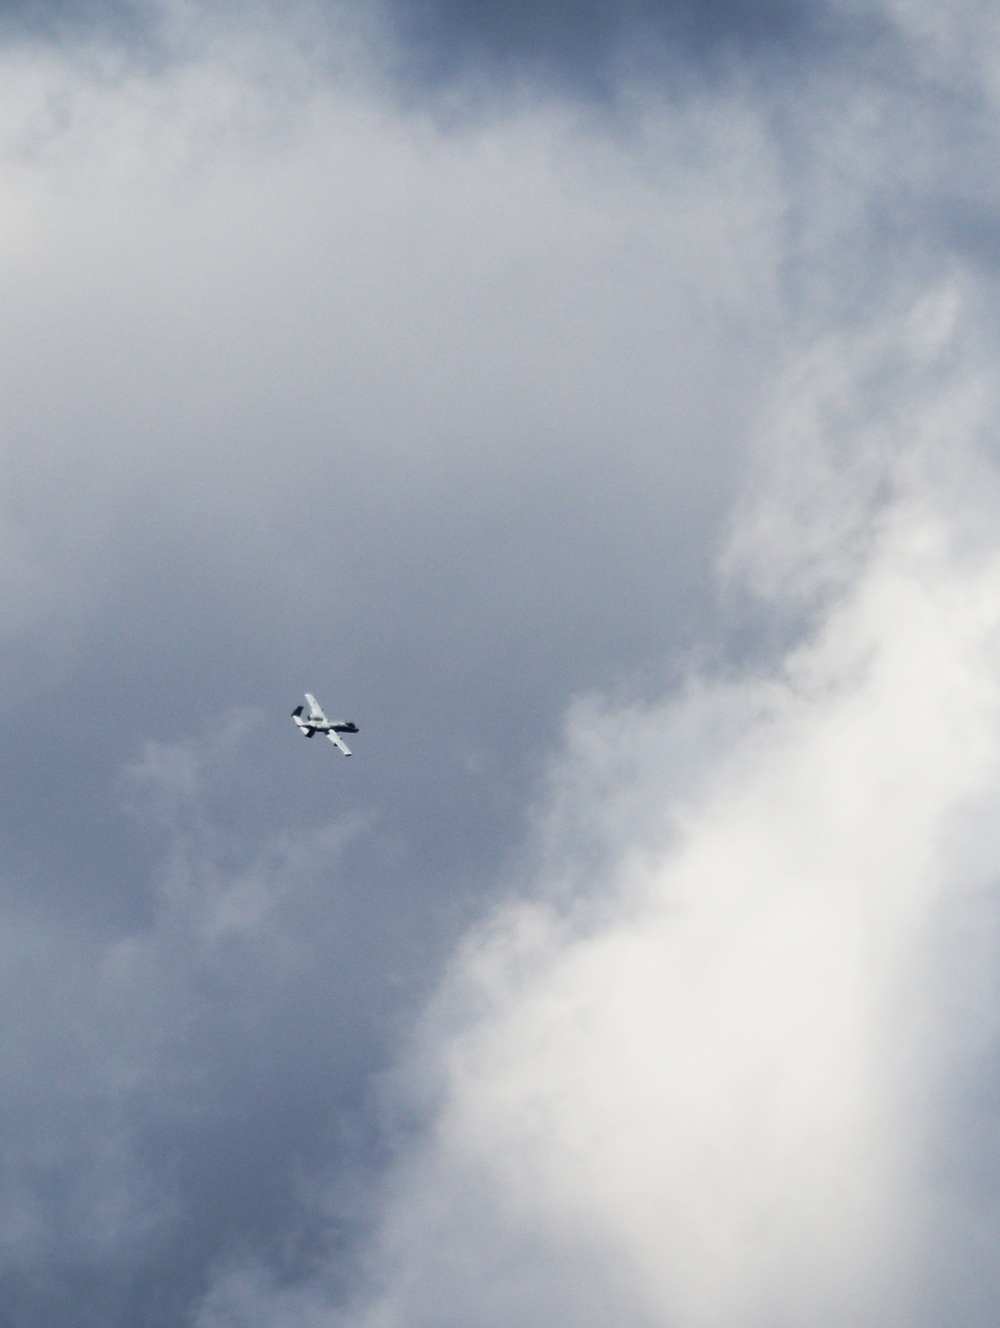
(599, 406)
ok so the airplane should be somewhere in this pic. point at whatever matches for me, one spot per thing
(317, 722)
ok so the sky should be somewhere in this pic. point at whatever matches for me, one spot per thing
(597, 404)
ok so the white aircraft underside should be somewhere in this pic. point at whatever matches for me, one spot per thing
(317, 722)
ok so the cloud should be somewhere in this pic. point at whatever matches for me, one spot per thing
(441, 404)
(698, 1074)
(148, 1128)
(584, 49)
(299, 388)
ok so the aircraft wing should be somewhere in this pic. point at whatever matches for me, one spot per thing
(338, 741)
(315, 709)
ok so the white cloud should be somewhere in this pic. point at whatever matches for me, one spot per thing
(707, 1088)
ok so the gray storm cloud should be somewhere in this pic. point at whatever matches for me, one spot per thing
(296, 388)
(474, 410)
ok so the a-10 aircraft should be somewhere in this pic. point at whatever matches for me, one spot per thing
(317, 722)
